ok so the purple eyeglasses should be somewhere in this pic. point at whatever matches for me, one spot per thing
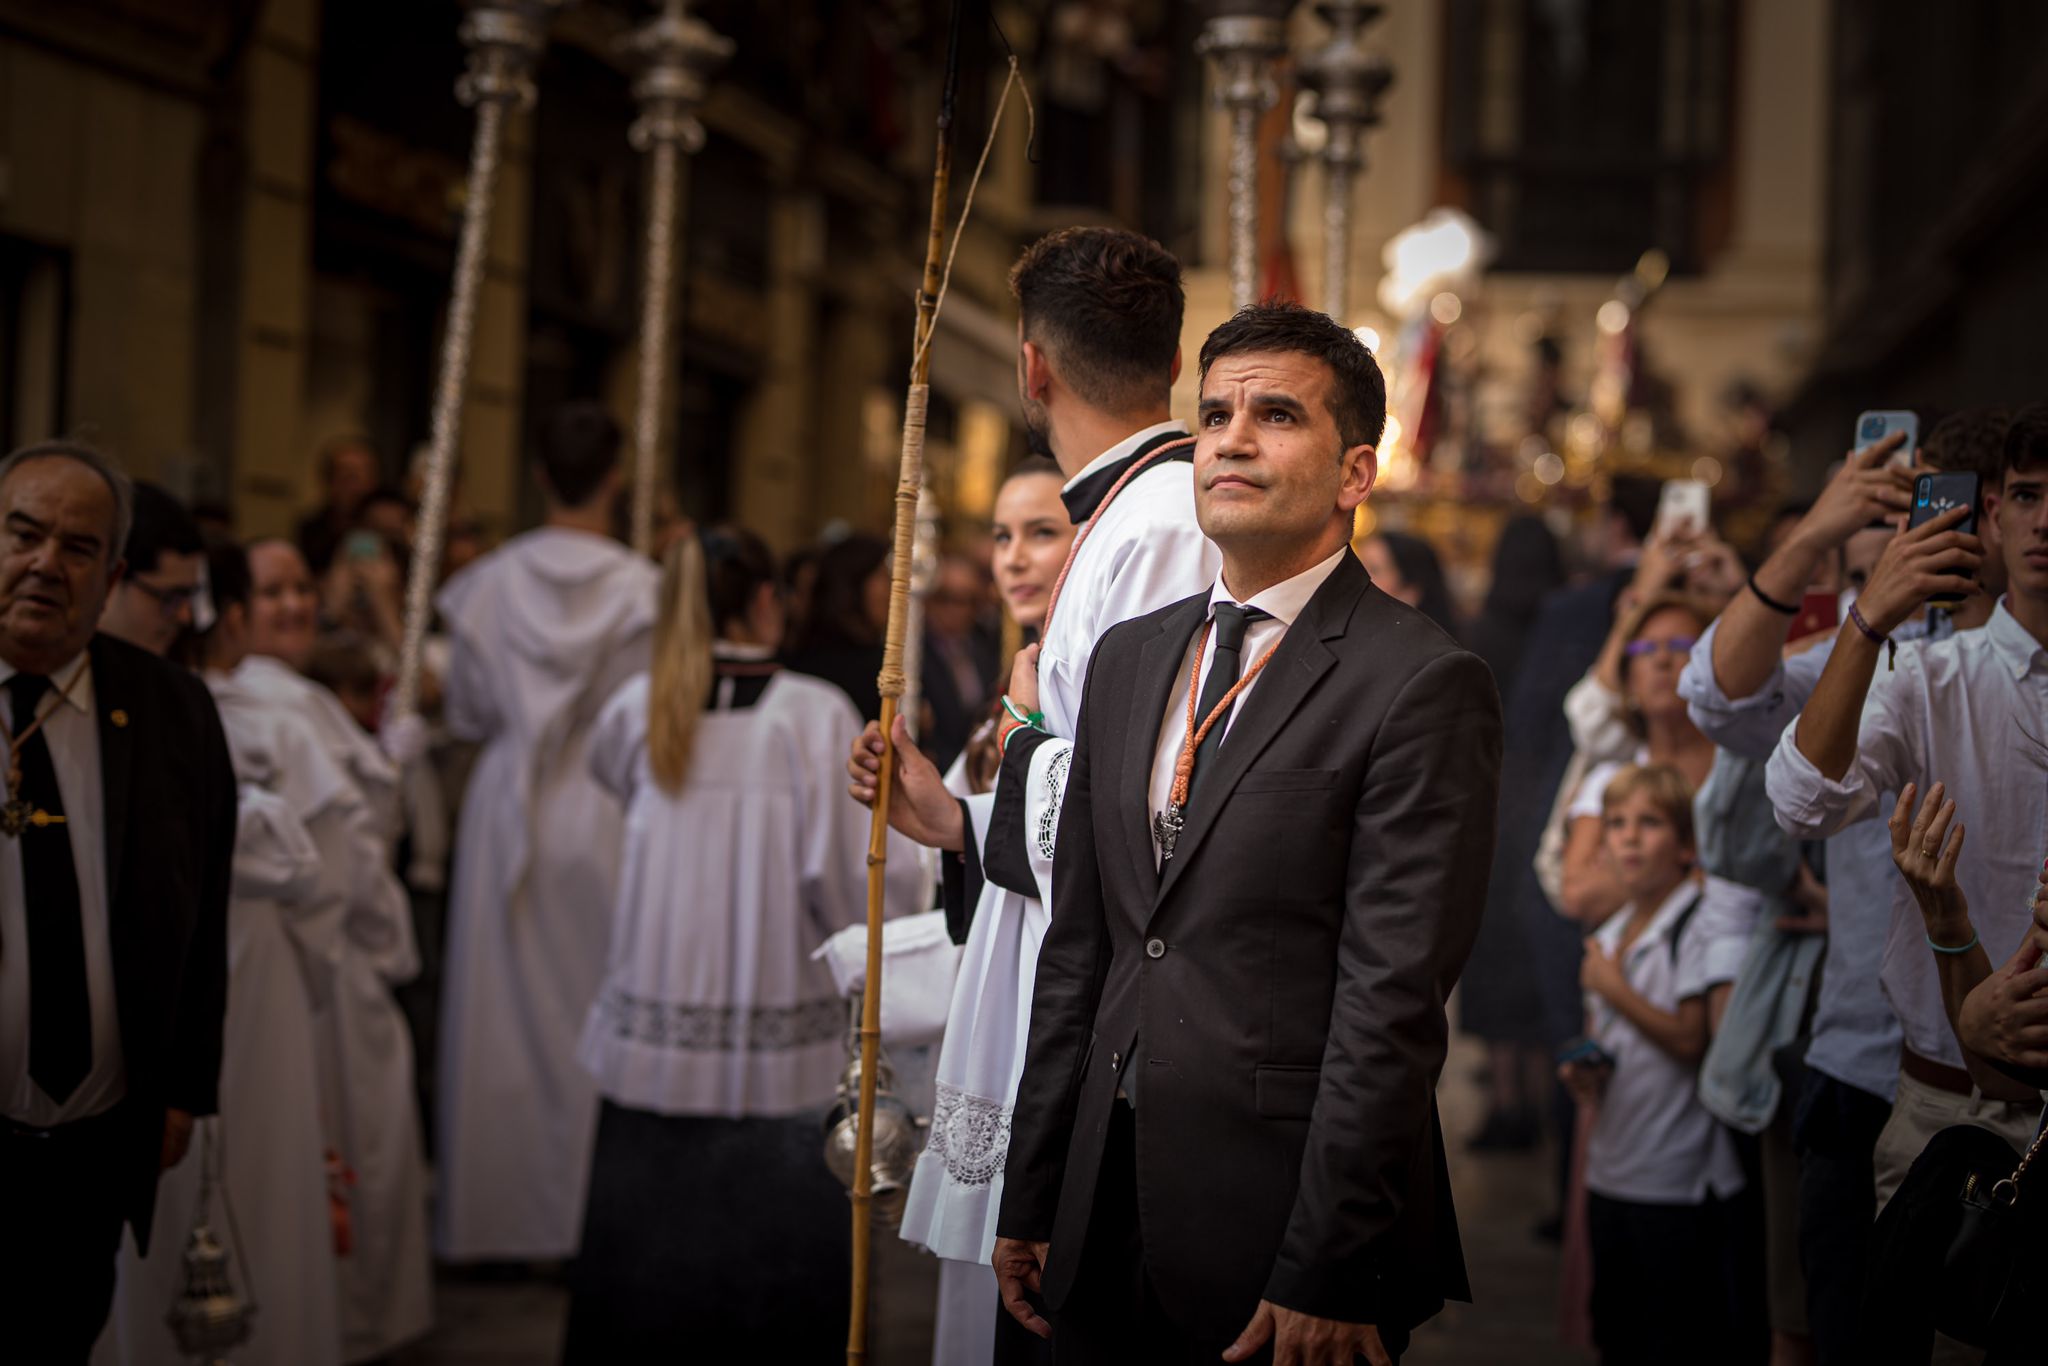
(1677, 645)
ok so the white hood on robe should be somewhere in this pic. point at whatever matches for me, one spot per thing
(552, 597)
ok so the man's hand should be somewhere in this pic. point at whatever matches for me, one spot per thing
(177, 1138)
(920, 807)
(1024, 680)
(1925, 850)
(1931, 558)
(1864, 490)
(1019, 1267)
(1304, 1340)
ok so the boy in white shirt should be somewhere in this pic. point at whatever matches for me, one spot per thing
(1659, 1169)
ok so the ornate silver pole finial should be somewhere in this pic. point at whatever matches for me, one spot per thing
(677, 52)
(1348, 79)
(504, 38)
(1244, 48)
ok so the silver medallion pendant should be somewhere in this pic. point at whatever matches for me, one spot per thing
(1166, 828)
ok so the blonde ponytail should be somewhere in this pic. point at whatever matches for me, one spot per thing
(682, 673)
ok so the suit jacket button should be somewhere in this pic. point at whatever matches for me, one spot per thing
(1155, 948)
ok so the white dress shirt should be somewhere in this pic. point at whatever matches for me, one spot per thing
(72, 733)
(1283, 601)
(1960, 712)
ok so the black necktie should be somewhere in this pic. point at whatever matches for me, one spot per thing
(60, 1014)
(1228, 642)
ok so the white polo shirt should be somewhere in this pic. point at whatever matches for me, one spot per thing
(1654, 1143)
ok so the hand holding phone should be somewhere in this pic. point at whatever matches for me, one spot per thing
(1935, 494)
(1876, 424)
(1932, 559)
(1683, 505)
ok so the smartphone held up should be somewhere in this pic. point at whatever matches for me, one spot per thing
(1935, 494)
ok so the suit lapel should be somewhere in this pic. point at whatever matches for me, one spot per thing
(116, 752)
(1297, 666)
(1159, 666)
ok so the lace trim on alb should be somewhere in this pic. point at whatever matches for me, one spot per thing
(970, 1135)
(727, 1029)
(1055, 784)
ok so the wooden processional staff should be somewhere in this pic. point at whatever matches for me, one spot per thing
(938, 268)
(504, 38)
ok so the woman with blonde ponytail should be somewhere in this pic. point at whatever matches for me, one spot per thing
(712, 1224)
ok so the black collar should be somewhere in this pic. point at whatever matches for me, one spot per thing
(1084, 497)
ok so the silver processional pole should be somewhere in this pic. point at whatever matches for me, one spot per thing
(1348, 79)
(678, 52)
(504, 38)
(1244, 48)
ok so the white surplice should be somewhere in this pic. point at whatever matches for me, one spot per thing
(1145, 552)
(270, 1145)
(544, 631)
(712, 1003)
(364, 1044)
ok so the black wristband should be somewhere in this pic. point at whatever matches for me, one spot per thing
(1767, 600)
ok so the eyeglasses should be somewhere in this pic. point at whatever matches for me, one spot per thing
(170, 599)
(1677, 645)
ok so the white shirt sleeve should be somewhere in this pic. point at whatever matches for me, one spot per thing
(1749, 726)
(1596, 719)
(1592, 793)
(1716, 939)
(616, 739)
(1810, 806)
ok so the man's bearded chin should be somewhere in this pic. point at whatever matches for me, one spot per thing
(1037, 431)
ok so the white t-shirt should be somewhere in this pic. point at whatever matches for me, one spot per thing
(1654, 1143)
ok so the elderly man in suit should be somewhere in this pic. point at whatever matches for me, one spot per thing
(115, 842)
(1270, 868)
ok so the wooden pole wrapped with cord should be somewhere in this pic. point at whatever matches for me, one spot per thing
(909, 481)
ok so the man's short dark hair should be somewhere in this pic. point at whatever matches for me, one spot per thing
(159, 525)
(1969, 442)
(1358, 391)
(579, 448)
(1106, 305)
(2026, 443)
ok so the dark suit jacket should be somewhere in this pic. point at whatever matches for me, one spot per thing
(169, 810)
(1285, 972)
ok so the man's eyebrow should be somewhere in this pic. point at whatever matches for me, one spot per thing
(1285, 402)
(1214, 405)
(16, 517)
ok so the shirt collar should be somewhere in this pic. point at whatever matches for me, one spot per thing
(1659, 928)
(80, 697)
(1284, 600)
(1083, 494)
(2011, 643)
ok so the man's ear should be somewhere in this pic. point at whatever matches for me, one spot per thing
(117, 573)
(1361, 468)
(1173, 372)
(1037, 372)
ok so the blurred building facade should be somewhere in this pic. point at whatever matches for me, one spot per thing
(227, 229)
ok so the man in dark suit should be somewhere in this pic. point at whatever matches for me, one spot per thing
(1226, 1140)
(115, 845)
